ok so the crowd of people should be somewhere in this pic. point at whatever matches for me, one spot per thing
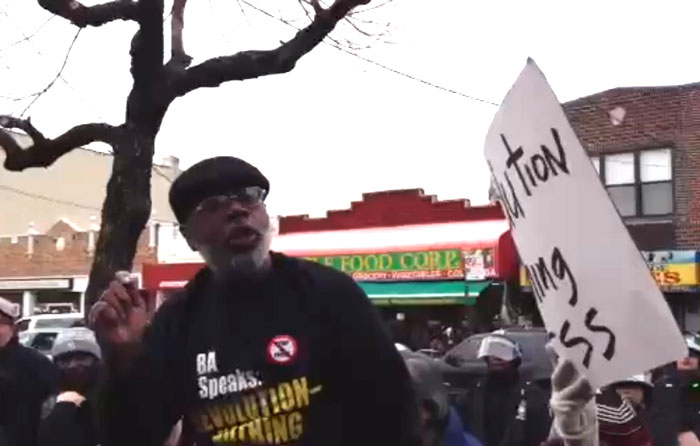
(264, 349)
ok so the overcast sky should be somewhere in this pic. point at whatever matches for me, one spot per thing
(338, 126)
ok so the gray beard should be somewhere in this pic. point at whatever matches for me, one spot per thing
(242, 264)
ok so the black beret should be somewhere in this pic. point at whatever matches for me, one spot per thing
(212, 176)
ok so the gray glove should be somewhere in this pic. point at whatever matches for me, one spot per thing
(573, 407)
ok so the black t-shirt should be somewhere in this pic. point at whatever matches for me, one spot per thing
(299, 358)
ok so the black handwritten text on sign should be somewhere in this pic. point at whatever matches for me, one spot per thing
(549, 276)
(528, 174)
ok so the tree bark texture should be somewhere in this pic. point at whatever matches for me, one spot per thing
(125, 211)
(156, 85)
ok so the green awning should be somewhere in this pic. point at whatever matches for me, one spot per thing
(452, 292)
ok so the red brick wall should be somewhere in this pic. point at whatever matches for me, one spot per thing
(392, 208)
(47, 260)
(656, 117)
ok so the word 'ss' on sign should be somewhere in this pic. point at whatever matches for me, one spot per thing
(591, 284)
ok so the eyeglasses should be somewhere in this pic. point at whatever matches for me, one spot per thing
(248, 196)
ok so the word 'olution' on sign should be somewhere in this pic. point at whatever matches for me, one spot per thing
(528, 174)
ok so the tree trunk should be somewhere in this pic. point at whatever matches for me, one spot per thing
(125, 211)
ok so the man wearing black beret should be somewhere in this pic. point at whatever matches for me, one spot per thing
(259, 349)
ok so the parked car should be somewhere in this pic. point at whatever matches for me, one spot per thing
(536, 363)
(41, 339)
(58, 308)
(65, 320)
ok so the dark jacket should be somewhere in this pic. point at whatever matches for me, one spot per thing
(525, 417)
(27, 378)
(675, 407)
(300, 358)
(68, 425)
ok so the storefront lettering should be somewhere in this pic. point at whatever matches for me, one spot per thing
(663, 276)
(443, 260)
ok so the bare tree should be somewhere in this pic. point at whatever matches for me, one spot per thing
(156, 85)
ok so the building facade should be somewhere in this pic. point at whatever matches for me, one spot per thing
(74, 188)
(41, 269)
(411, 253)
(50, 223)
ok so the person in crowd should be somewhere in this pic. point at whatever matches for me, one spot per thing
(438, 345)
(70, 419)
(27, 378)
(688, 379)
(400, 332)
(259, 349)
(676, 398)
(505, 409)
(439, 424)
(622, 413)
(614, 416)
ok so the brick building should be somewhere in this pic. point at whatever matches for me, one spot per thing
(53, 267)
(50, 221)
(645, 144)
(73, 187)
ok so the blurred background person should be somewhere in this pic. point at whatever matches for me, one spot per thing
(70, 417)
(440, 424)
(506, 409)
(27, 378)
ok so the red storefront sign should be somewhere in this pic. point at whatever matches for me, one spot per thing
(497, 261)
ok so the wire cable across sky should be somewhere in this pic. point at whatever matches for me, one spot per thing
(374, 62)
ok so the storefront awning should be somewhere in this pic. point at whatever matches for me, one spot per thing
(424, 293)
(424, 237)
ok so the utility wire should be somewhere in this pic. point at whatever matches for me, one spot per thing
(24, 193)
(373, 62)
(28, 39)
(45, 198)
(58, 75)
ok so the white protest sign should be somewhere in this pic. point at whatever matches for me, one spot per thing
(594, 290)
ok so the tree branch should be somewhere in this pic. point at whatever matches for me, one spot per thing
(252, 64)
(147, 45)
(82, 16)
(44, 151)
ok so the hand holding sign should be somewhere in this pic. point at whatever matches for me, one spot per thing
(592, 286)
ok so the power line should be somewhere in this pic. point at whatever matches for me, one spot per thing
(53, 81)
(374, 62)
(30, 36)
(28, 39)
(49, 199)
(52, 200)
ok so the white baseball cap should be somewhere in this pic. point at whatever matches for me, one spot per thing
(500, 347)
(9, 309)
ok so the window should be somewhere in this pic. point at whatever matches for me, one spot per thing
(22, 325)
(639, 183)
(44, 341)
(62, 322)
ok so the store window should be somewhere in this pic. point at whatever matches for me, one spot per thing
(639, 183)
